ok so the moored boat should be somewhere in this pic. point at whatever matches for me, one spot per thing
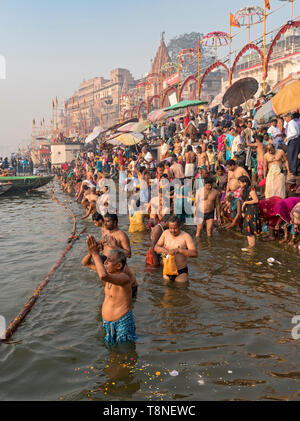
(24, 183)
(4, 187)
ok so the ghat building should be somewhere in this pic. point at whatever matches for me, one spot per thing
(96, 102)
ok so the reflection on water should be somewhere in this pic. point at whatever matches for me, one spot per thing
(227, 335)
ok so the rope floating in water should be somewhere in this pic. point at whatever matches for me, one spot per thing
(13, 326)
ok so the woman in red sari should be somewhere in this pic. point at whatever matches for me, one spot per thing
(266, 209)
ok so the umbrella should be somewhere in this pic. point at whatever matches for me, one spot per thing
(130, 139)
(140, 126)
(286, 101)
(240, 92)
(114, 142)
(126, 127)
(216, 101)
(92, 136)
(291, 78)
(265, 114)
(156, 115)
(185, 104)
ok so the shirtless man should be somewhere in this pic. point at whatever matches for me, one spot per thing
(234, 172)
(176, 168)
(91, 197)
(177, 243)
(274, 156)
(190, 158)
(202, 158)
(118, 320)
(156, 233)
(112, 238)
(206, 201)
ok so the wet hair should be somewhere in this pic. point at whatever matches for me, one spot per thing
(208, 180)
(120, 256)
(161, 165)
(97, 217)
(247, 188)
(260, 138)
(84, 187)
(165, 218)
(174, 219)
(189, 148)
(142, 169)
(230, 162)
(112, 216)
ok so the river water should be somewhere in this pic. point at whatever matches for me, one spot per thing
(227, 336)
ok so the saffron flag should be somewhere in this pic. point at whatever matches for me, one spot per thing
(267, 4)
(233, 21)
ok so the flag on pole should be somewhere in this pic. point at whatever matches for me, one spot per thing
(56, 101)
(267, 4)
(233, 21)
(52, 103)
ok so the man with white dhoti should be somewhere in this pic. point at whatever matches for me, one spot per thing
(190, 159)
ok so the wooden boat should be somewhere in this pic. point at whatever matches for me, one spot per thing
(4, 187)
(24, 183)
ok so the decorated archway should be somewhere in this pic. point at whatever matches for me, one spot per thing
(243, 51)
(186, 82)
(132, 111)
(289, 25)
(209, 70)
(126, 114)
(151, 99)
(145, 105)
(167, 92)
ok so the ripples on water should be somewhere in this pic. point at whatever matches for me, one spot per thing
(228, 334)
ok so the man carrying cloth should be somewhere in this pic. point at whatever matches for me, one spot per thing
(118, 320)
(179, 245)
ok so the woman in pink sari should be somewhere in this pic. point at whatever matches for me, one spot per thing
(266, 209)
(283, 211)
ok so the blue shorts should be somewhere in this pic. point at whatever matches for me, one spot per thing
(120, 331)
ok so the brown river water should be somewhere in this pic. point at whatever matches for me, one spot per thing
(226, 336)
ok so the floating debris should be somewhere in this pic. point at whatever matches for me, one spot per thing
(173, 373)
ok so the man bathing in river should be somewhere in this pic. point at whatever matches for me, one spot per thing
(112, 238)
(177, 243)
(118, 320)
(206, 201)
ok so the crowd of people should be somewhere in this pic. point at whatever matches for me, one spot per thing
(211, 171)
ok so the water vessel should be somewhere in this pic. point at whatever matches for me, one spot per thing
(4, 187)
(24, 183)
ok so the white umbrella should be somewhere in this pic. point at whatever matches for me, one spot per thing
(95, 133)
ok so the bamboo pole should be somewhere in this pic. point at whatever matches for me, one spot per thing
(56, 120)
(229, 62)
(178, 88)
(249, 26)
(264, 67)
(292, 9)
(199, 69)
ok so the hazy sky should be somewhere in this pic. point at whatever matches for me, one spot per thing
(50, 46)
